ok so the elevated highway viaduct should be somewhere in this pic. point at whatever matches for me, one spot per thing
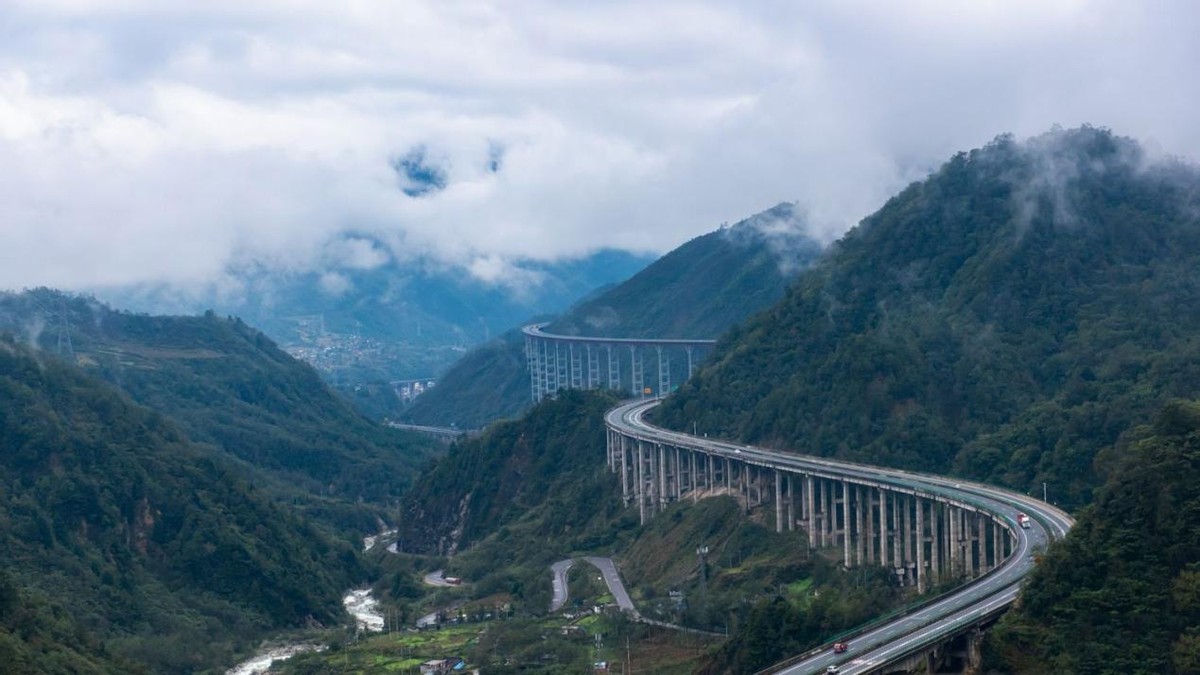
(928, 530)
(575, 362)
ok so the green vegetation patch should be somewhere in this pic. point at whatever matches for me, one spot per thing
(1121, 594)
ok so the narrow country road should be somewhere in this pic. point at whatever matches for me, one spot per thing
(615, 586)
(560, 583)
(611, 578)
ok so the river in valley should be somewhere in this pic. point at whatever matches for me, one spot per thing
(359, 603)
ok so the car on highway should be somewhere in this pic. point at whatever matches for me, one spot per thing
(832, 670)
(840, 647)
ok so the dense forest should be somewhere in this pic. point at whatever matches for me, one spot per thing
(125, 546)
(698, 290)
(1004, 319)
(1012, 318)
(1121, 594)
(553, 455)
(231, 388)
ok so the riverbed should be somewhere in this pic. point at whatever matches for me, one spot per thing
(359, 603)
(364, 608)
(262, 662)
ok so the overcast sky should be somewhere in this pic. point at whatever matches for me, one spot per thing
(172, 141)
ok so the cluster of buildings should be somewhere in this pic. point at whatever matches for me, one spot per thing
(333, 351)
(452, 664)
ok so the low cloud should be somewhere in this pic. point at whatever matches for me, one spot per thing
(501, 272)
(334, 284)
(356, 253)
(175, 143)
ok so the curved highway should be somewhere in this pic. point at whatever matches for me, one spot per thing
(535, 331)
(932, 622)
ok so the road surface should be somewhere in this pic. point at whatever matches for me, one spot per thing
(560, 583)
(615, 586)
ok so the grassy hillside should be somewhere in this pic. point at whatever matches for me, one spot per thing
(1122, 592)
(228, 386)
(122, 542)
(1005, 318)
(696, 291)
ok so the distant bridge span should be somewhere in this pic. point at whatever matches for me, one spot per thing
(574, 362)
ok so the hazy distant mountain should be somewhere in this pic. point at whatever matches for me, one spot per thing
(382, 319)
(698, 290)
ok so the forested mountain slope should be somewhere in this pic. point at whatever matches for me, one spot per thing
(123, 543)
(698, 290)
(706, 285)
(515, 467)
(229, 386)
(489, 383)
(1005, 319)
(1122, 593)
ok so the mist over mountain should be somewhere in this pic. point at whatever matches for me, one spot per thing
(698, 290)
(387, 319)
(704, 286)
(1006, 319)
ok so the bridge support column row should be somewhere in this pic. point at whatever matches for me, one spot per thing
(924, 541)
(565, 362)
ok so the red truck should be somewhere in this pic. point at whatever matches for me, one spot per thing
(840, 647)
(1023, 520)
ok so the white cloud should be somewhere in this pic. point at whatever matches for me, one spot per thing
(356, 253)
(334, 283)
(168, 141)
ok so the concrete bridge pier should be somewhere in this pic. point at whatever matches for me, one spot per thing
(641, 482)
(922, 571)
(637, 372)
(778, 501)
